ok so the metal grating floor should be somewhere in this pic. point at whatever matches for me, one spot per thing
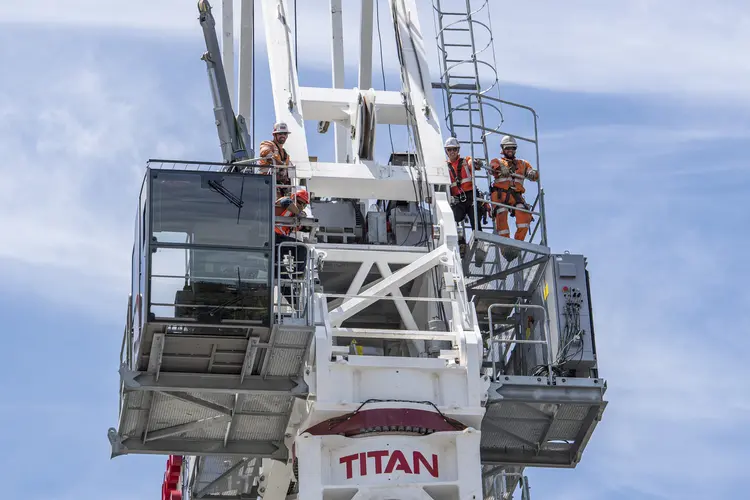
(184, 401)
(531, 423)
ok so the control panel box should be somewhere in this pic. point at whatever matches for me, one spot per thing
(565, 293)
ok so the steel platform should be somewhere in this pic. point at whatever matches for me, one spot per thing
(495, 279)
(530, 422)
(212, 395)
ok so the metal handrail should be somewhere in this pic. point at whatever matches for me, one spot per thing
(546, 341)
(535, 141)
(308, 288)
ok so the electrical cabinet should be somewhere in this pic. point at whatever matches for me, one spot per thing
(565, 295)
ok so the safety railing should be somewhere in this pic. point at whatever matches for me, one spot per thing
(500, 485)
(497, 346)
(537, 205)
(296, 277)
(247, 166)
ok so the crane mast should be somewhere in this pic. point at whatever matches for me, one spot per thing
(352, 350)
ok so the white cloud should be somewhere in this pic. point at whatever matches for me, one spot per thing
(74, 146)
(164, 15)
(646, 46)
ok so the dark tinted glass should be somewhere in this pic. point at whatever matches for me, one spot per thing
(211, 208)
(210, 286)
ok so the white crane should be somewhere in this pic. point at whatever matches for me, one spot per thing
(367, 357)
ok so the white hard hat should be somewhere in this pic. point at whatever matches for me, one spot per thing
(280, 128)
(452, 142)
(507, 141)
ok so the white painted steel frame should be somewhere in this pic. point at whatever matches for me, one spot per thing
(227, 47)
(246, 58)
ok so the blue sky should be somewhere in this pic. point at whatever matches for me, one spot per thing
(644, 111)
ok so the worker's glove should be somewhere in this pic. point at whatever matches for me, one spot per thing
(478, 163)
(504, 170)
(452, 200)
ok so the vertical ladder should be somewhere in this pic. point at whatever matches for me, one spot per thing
(461, 37)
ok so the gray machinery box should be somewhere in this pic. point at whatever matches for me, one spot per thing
(410, 225)
(564, 292)
(337, 221)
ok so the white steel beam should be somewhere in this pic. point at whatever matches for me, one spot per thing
(284, 83)
(340, 129)
(321, 104)
(359, 278)
(366, 180)
(247, 45)
(275, 478)
(350, 307)
(401, 305)
(405, 16)
(227, 46)
(365, 45)
(338, 252)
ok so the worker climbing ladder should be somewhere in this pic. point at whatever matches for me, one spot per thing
(379, 365)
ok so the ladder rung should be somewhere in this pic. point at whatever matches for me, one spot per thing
(453, 14)
(462, 77)
(456, 29)
(462, 86)
(456, 45)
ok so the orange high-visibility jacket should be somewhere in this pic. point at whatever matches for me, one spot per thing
(460, 172)
(277, 153)
(518, 172)
(279, 156)
(282, 210)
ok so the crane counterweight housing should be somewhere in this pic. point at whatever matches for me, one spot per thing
(365, 345)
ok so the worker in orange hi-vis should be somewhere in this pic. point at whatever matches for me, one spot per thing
(462, 190)
(273, 155)
(507, 188)
(290, 206)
